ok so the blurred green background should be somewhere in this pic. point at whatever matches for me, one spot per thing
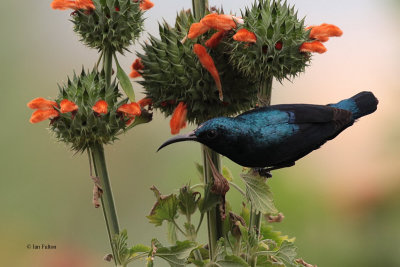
(342, 202)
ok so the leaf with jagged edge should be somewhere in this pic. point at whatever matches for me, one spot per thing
(188, 200)
(232, 261)
(223, 259)
(209, 201)
(285, 255)
(123, 255)
(165, 209)
(176, 255)
(258, 192)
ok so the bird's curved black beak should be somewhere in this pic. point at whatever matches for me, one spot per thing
(179, 138)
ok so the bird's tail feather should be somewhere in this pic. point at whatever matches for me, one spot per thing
(361, 104)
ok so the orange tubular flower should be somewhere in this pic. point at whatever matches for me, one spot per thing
(146, 4)
(315, 46)
(244, 35)
(145, 102)
(132, 109)
(100, 107)
(324, 31)
(134, 74)
(220, 22)
(178, 120)
(208, 63)
(71, 4)
(67, 106)
(215, 39)
(41, 115)
(136, 66)
(197, 29)
(42, 104)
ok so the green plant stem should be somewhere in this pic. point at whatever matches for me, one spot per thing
(107, 65)
(214, 221)
(177, 227)
(200, 222)
(264, 100)
(199, 8)
(107, 201)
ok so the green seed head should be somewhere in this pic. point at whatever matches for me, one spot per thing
(279, 36)
(172, 74)
(115, 25)
(83, 127)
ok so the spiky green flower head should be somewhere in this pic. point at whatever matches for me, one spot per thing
(279, 36)
(84, 127)
(172, 74)
(113, 24)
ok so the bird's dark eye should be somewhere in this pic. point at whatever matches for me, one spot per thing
(211, 134)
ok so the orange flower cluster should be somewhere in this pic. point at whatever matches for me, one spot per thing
(145, 102)
(130, 110)
(137, 66)
(71, 4)
(44, 109)
(320, 34)
(208, 63)
(178, 120)
(215, 39)
(47, 109)
(244, 35)
(88, 4)
(67, 106)
(219, 22)
(100, 107)
(146, 4)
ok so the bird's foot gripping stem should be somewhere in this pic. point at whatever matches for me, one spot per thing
(266, 172)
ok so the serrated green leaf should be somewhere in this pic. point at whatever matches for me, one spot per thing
(125, 82)
(138, 249)
(165, 209)
(232, 261)
(209, 201)
(188, 200)
(176, 255)
(258, 192)
(226, 172)
(285, 255)
(267, 232)
(123, 255)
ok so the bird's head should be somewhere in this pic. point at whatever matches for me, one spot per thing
(213, 133)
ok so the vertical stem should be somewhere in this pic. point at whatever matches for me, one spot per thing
(199, 8)
(107, 65)
(214, 221)
(107, 201)
(264, 100)
(264, 92)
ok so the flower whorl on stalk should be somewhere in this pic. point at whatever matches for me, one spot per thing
(177, 69)
(103, 25)
(86, 111)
